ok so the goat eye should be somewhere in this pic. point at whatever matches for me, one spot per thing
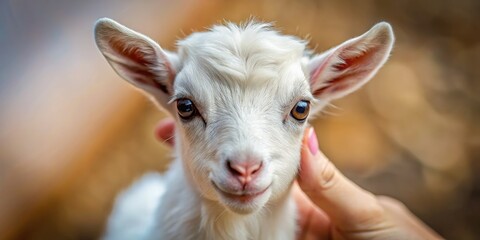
(186, 108)
(300, 110)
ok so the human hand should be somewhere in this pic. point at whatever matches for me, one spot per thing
(330, 206)
(165, 131)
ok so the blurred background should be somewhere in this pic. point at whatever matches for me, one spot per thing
(73, 134)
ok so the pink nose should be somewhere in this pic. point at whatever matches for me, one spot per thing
(245, 171)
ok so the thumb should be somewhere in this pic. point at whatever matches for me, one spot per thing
(348, 206)
(165, 131)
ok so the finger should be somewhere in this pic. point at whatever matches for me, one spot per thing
(347, 205)
(165, 130)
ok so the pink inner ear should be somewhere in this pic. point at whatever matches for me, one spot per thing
(132, 53)
(365, 60)
(346, 73)
(141, 69)
(314, 76)
(336, 84)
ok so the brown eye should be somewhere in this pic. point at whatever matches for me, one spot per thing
(186, 108)
(300, 110)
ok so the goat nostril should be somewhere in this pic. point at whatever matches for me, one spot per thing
(235, 170)
(247, 170)
(257, 168)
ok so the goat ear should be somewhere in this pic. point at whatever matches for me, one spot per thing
(137, 58)
(348, 66)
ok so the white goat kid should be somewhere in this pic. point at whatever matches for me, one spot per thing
(241, 97)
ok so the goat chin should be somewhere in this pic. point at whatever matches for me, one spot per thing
(150, 210)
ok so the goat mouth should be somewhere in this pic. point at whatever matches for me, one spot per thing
(243, 197)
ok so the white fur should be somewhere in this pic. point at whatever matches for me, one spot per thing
(139, 203)
(244, 81)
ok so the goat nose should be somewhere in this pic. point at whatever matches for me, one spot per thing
(244, 171)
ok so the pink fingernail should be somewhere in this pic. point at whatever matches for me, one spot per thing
(313, 142)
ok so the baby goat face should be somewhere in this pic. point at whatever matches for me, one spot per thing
(242, 96)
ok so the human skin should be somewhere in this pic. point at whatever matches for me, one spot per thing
(330, 206)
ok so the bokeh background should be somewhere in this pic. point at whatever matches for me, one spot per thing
(73, 134)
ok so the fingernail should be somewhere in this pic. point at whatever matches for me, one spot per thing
(312, 142)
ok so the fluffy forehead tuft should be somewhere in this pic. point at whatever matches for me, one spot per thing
(240, 52)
